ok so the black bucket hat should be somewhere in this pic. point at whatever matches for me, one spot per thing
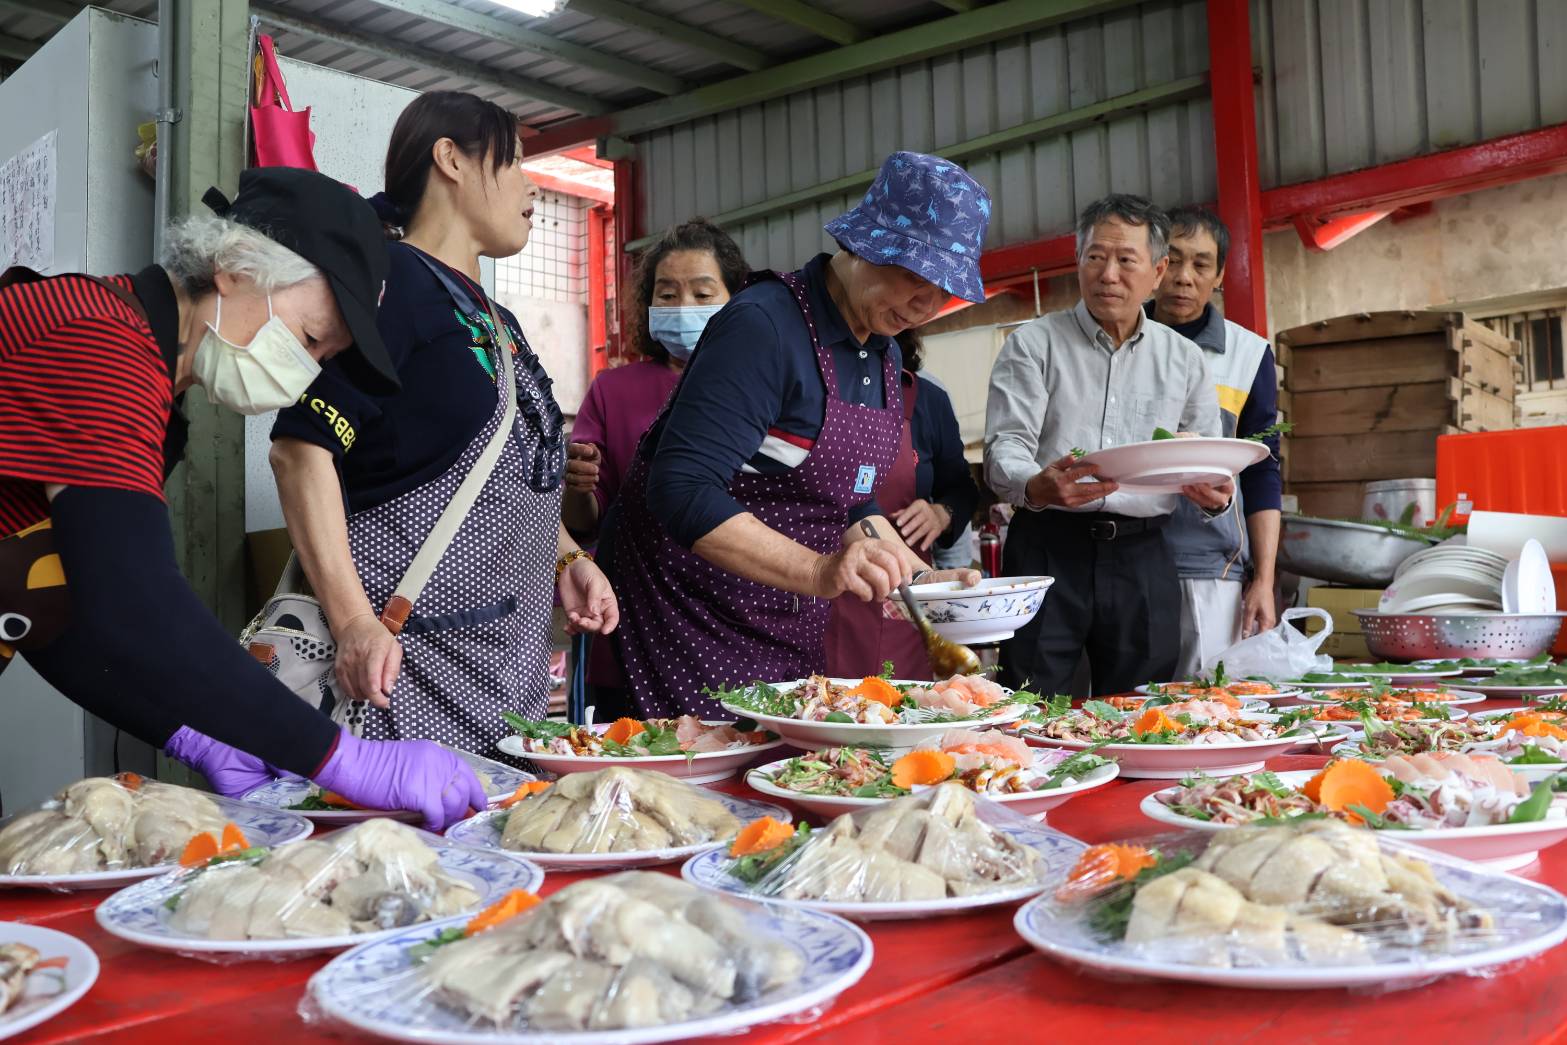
(330, 226)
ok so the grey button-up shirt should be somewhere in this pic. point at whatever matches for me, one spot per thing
(1061, 384)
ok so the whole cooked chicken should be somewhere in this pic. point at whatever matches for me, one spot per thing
(636, 949)
(17, 961)
(377, 875)
(106, 824)
(615, 811)
(1314, 892)
(928, 846)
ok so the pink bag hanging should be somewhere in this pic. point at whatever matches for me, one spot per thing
(281, 137)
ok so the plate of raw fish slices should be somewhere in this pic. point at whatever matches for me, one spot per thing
(701, 751)
(1025, 779)
(877, 712)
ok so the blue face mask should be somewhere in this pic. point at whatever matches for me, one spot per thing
(678, 328)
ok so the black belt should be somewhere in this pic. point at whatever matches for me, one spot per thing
(1102, 526)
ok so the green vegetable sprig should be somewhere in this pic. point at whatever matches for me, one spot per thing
(753, 868)
(1112, 912)
(1535, 808)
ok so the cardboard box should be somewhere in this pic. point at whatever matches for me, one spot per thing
(1341, 604)
(1342, 645)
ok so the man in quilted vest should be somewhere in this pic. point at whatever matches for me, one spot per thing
(1226, 568)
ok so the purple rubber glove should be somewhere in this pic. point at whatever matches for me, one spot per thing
(231, 772)
(403, 774)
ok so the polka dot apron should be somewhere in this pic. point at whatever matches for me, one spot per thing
(477, 642)
(685, 624)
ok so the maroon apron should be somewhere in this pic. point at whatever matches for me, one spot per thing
(860, 636)
(687, 625)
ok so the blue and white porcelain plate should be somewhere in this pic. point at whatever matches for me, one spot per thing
(485, 830)
(263, 826)
(499, 780)
(1530, 919)
(1057, 855)
(375, 988)
(140, 914)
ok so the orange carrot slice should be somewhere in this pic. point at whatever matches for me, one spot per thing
(922, 767)
(337, 801)
(1312, 788)
(624, 729)
(1154, 720)
(508, 906)
(532, 787)
(199, 850)
(130, 781)
(879, 690)
(1102, 866)
(1534, 725)
(233, 838)
(759, 836)
(1350, 782)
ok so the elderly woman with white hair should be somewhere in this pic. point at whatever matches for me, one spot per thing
(247, 304)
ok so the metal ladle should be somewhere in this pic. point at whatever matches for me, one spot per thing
(947, 658)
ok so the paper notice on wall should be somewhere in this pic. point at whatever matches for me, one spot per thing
(27, 191)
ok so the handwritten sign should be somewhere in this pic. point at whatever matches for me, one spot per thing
(27, 192)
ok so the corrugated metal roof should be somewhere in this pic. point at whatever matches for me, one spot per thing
(722, 19)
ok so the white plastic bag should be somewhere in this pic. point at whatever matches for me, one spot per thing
(1278, 655)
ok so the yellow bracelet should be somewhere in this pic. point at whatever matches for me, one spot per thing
(563, 563)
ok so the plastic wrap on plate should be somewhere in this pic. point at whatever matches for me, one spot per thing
(616, 810)
(938, 845)
(1312, 903)
(246, 903)
(107, 824)
(637, 952)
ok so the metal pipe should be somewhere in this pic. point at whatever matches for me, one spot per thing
(167, 115)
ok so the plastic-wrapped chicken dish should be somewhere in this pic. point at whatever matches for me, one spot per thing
(615, 817)
(1317, 903)
(107, 823)
(636, 951)
(944, 849)
(311, 896)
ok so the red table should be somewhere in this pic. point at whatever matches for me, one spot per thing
(948, 980)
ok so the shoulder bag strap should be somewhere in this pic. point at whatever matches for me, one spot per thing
(401, 604)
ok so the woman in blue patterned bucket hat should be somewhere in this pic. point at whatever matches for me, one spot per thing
(925, 214)
(739, 522)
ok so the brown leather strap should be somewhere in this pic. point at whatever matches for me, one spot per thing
(396, 613)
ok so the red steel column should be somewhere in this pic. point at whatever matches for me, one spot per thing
(1235, 149)
(598, 281)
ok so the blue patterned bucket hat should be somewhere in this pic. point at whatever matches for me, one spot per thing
(925, 214)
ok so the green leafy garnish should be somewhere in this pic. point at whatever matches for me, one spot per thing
(1376, 821)
(1113, 910)
(838, 716)
(1280, 428)
(1101, 709)
(1534, 808)
(1533, 755)
(1078, 453)
(1079, 766)
(545, 729)
(1269, 782)
(422, 952)
(758, 698)
(753, 868)
(1163, 433)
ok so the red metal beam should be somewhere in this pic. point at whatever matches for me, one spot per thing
(1235, 161)
(566, 136)
(1051, 257)
(571, 187)
(588, 154)
(1486, 165)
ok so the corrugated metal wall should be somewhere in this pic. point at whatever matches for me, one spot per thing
(745, 157)
(1353, 83)
(1345, 84)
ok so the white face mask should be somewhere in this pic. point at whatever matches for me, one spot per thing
(270, 373)
(679, 327)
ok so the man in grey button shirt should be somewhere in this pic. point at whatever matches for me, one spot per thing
(1097, 375)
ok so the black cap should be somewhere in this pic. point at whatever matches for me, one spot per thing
(329, 225)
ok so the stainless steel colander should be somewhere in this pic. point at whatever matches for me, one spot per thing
(1424, 636)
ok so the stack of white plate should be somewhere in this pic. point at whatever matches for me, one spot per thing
(1449, 578)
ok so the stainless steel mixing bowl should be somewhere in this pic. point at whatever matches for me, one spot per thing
(1344, 552)
(1424, 636)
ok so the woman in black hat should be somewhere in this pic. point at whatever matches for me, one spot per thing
(248, 302)
(475, 641)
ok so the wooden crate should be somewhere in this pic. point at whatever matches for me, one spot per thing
(1368, 394)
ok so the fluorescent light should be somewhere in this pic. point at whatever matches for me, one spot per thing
(533, 8)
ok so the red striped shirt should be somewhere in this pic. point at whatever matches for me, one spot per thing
(84, 395)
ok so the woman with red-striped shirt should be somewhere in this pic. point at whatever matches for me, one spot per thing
(247, 304)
